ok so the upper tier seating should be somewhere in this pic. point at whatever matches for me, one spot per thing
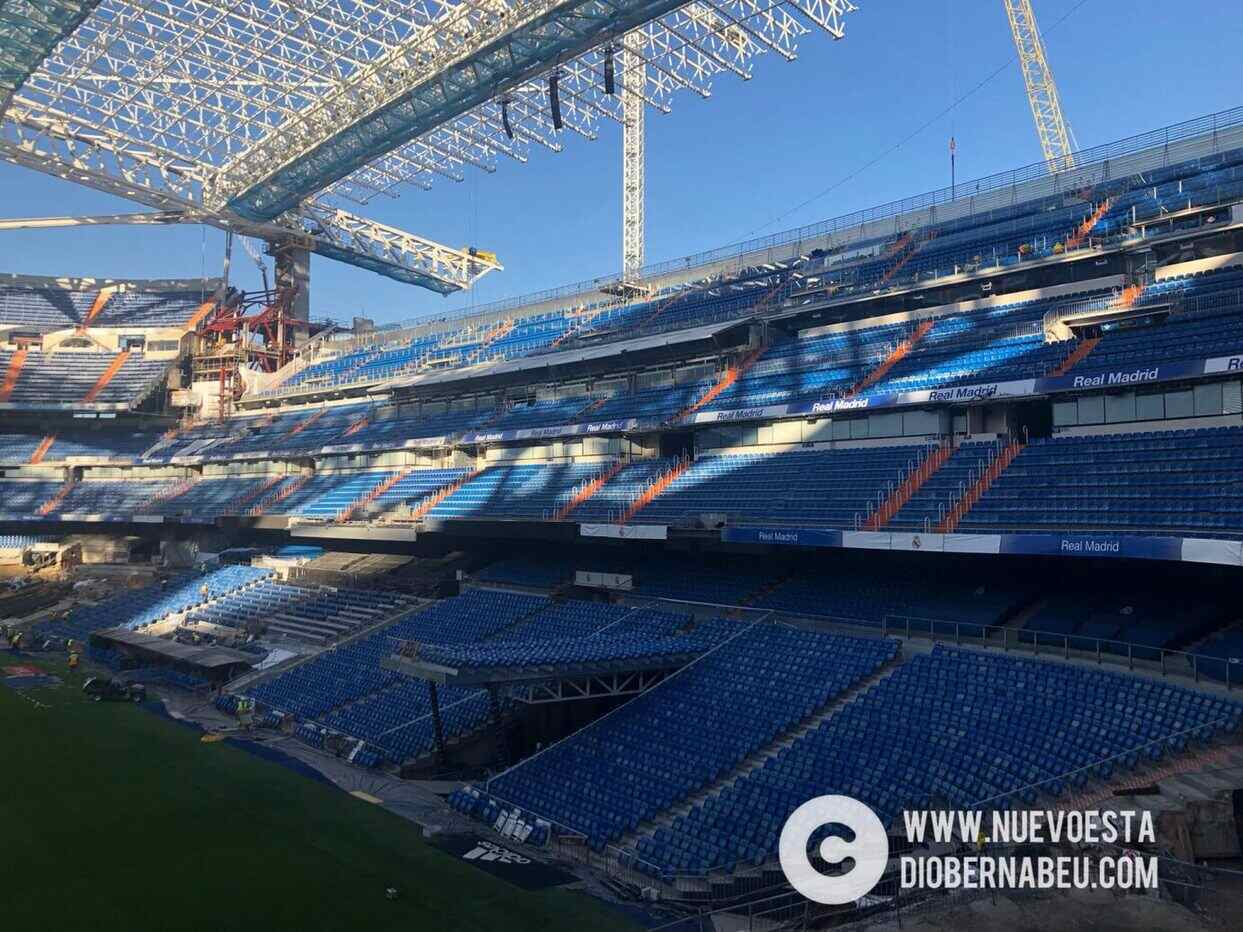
(999, 343)
(1183, 481)
(1031, 230)
(971, 729)
(150, 309)
(51, 308)
(43, 309)
(682, 735)
(1205, 322)
(1036, 229)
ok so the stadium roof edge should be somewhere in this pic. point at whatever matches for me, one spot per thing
(86, 283)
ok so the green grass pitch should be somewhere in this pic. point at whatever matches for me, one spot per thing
(112, 818)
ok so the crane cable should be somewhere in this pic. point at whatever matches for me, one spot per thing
(916, 132)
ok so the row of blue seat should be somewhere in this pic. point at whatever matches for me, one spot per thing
(974, 729)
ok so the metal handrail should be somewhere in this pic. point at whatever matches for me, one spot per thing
(1098, 647)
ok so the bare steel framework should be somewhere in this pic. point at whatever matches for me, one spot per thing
(271, 117)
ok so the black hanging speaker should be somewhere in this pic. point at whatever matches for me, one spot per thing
(509, 130)
(609, 87)
(554, 100)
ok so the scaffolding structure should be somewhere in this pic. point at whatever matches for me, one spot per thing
(255, 331)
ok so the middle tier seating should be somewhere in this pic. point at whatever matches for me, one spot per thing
(57, 378)
(1162, 482)
(517, 491)
(818, 487)
(118, 497)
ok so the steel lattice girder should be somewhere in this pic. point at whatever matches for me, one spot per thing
(29, 30)
(602, 686)
(324, 151)
(59, 146)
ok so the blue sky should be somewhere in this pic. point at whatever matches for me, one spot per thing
(734, 166)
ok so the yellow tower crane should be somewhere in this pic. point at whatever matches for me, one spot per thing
(1051, 126)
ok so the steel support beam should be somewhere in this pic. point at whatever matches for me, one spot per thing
(634, 79)
(150, 218)
(572, 689)
(262, 112)
(438, 724)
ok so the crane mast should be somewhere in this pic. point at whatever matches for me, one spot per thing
(1041, 89)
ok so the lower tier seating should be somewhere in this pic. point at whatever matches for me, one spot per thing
(875, 596)
(308, 613)
(347, 690)
(142, 607)
(976, 730)
(673, 740)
